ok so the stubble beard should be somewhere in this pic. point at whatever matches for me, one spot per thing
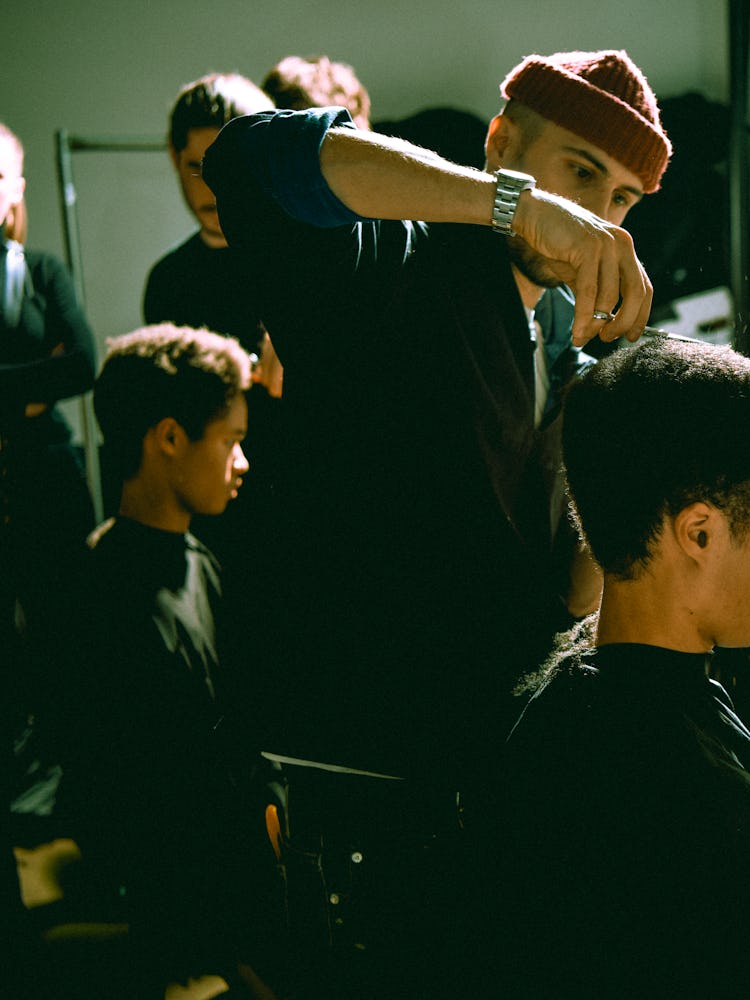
(532, 265)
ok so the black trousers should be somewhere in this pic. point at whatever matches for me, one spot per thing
(385, 887)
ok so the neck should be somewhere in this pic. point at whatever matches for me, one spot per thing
(529, 292)
(214, 240)
(147, 504)
(651, 613)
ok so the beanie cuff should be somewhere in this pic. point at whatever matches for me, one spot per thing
(601, 118)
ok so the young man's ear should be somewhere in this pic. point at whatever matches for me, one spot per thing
(169, 436)
(174, 156)
(694, 528)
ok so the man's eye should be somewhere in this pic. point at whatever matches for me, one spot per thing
(582, 172)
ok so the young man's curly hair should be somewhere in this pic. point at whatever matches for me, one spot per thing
(165, 371)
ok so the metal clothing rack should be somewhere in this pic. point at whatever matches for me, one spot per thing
(65, 146)
(739, 176)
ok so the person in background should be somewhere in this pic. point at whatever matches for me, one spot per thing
(47, 354)
(316, 82)
(201, 282)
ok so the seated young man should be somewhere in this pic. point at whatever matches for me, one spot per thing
(150, 785)
(626, 839)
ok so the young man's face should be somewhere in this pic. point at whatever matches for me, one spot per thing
(211, 469)
(728, 588)
(198, 195)
(568, 165)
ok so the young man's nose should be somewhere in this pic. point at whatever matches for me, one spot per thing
(239, 461)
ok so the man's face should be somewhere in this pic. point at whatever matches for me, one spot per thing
(568, 165)
(198, 195)
(211, 469)
(564, 164)
(11, 181)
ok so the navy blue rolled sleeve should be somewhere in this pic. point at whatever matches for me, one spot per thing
(279, 151)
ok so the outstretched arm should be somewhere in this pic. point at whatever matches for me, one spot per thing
(378, 177)
(318, 169)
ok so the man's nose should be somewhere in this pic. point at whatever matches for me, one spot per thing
(598, 202)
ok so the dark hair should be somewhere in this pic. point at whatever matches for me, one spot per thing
(529, 122)
(211, 102)
(164, 371)
(298, 83)
(648, 431)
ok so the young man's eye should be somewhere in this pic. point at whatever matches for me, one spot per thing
(583, 173)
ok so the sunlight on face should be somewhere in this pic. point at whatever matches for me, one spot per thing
(213, 467)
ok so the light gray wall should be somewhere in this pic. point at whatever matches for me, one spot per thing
(113, 67)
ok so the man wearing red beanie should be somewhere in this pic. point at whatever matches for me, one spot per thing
(586, 125)
(422, 553)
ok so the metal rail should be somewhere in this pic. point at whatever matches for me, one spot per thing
(739, 33)
(65, 146)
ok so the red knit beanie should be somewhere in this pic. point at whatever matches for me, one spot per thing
(604, 98)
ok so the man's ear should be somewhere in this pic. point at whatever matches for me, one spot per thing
(500, 133)
(173, 155)
(695, 527)
(169, 436)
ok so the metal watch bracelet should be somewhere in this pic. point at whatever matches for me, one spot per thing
(509, 185)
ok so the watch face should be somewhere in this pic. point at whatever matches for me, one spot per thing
(514, 178)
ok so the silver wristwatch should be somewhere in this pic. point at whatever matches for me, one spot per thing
(510, 184)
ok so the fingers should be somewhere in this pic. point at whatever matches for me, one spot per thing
(597, 282)
(619, 277)
(596, 258)
(636, 295)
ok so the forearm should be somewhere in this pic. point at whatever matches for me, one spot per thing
(47, 380)
(379, 177)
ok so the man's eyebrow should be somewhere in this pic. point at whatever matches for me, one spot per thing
(586, 155)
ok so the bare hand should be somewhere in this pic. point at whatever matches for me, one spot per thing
(594, 257)
(35, 409)
(269, 372)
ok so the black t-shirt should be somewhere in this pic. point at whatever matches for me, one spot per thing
(197, 285)
(626, 835)
(152, 785)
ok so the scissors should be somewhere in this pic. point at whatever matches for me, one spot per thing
(651, 331)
